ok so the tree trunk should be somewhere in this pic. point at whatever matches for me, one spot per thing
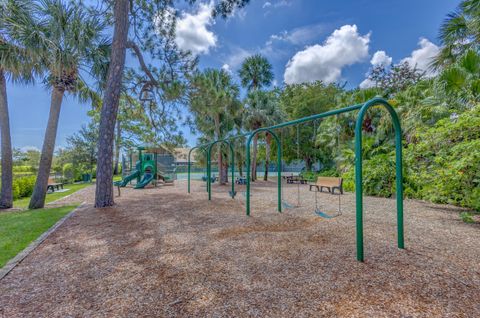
(268, 141)
(104, 189)
(221, 175)
(254, 158)
(240, 167)
(37, 200)
(308, 163)
(6, 194)
(224, 178)
(117, 148)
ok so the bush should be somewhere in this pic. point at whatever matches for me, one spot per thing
(15, 190)
(467, 217)
(23, 187)
(378, 176)
(312, 176)
(71, 173)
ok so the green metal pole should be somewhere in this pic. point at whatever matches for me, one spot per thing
(209, 173)
(399, 177)
(232, 156)
(188, 169)
(358, 186)
(247, 174)
(279, 172)
(359, 176)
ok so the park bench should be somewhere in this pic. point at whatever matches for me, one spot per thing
(331, 183)
(52, 185)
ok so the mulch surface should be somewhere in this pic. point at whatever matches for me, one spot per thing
(163, 253)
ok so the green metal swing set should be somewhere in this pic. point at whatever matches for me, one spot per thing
(362, 108)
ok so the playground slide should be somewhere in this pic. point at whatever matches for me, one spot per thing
(164, 177)
(147, 178)
(128, 178)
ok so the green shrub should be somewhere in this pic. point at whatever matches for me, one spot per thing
(312, 176)
(69, 172)
(23, 187)
(467, 217)
(378, 176)
(15, 190)
(23, 169)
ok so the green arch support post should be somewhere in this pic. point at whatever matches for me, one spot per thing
(232, 161)
(279, 171)
(359, 176)
(189, 163)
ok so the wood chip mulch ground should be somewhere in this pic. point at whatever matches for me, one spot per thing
(163, 253)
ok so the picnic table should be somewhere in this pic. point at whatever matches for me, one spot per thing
(296, 179)
(241, 180)
(52, 185)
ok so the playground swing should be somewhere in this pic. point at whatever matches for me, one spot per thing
(317, 210)
(298, 158)
(285, 203)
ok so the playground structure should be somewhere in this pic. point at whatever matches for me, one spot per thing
(362, 108)
(148, 165)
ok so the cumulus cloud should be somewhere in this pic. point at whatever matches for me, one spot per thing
(381, 58)
(419, 58)
(236, 57)
(345, 46)
(422, 57)
(192, 33)
(267, 4)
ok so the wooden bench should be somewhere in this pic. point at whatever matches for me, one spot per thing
(331, 183)
(52, 185)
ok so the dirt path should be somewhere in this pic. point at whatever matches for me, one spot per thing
(163, 253)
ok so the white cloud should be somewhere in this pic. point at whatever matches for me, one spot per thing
(29, 148)
(237, 57)
(282, 3)
(227, 68)
(298, 35)
(276, 4)
(345, 46)
(381, 58)
(192, 33)
(422, 57)
(367, 83)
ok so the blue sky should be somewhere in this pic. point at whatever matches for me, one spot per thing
(335, 41)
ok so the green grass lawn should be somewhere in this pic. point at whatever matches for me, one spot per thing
(19, 229)
(23, 202)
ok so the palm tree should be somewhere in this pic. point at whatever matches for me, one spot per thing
(460, 82)
(67, 40)
(256, 72)
(214, 100)
(18, 64)
(459, 33)
(262, 109)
